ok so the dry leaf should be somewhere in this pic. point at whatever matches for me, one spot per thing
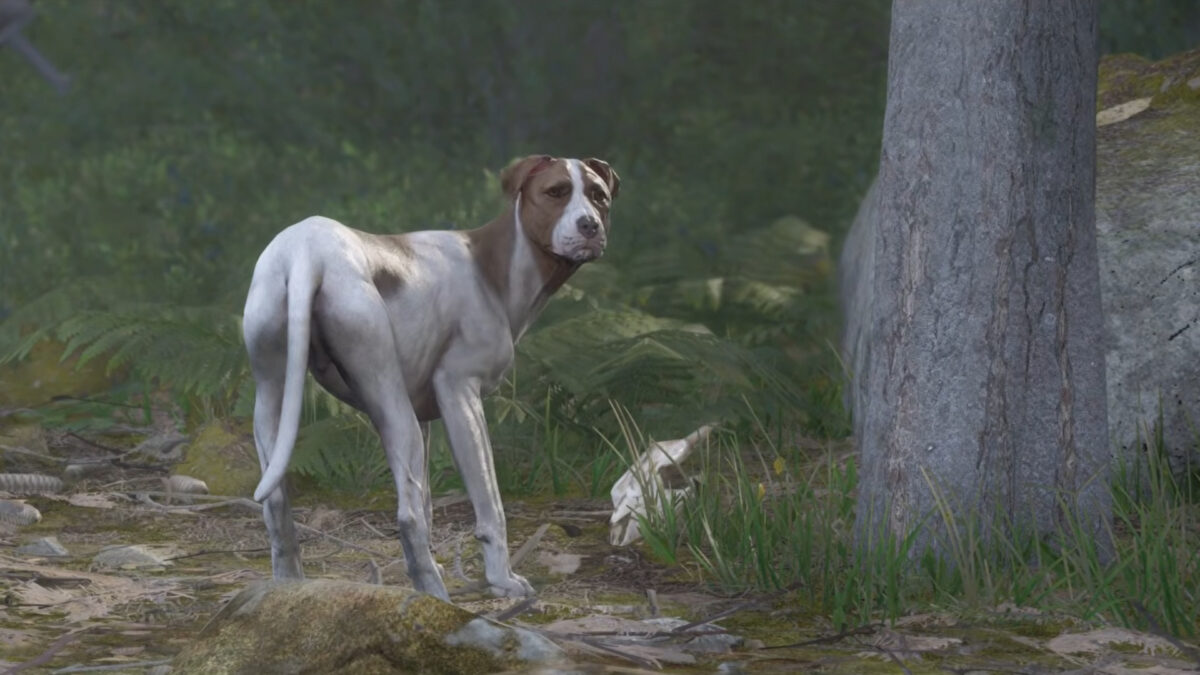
(1121, 112)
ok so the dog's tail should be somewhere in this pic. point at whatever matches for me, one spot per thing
(301, 287)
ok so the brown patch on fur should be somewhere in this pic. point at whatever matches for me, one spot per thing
(541, 208)
(513, 177)
(492, 248)
(606, 174)
(387, 254)
(387, 281)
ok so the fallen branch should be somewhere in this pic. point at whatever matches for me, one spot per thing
(526, 548)
(865, 629)
(114, 666)
(54, 648)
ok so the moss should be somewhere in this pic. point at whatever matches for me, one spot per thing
(378, 629)
(1125, 77)
(226, 461)
(44, 374)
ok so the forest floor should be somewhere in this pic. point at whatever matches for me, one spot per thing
(83, 613)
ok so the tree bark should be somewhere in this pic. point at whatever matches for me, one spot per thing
(983, 377)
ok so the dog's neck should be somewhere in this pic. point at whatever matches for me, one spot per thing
(522, 274)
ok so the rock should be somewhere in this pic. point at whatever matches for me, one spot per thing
(1148, 234)
(46, 547)
(326, 626)
(135, 557)
(29, 484)
(186, 485)
(18, 512)
(226, 462)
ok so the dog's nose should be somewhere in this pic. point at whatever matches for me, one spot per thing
(588, 226)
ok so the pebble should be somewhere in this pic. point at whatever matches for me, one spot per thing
(129, 558)
(45, 547)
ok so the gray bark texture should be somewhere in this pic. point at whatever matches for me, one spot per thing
(980, 373)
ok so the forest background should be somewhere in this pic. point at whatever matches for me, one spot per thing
(132, 208)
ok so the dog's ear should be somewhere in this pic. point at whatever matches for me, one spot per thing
(513, 177)
(606, 173)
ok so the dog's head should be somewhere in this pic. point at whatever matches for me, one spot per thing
(562, 204)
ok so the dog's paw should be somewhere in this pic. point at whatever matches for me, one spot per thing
(515, 586)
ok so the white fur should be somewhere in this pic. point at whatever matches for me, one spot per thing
(444, 337)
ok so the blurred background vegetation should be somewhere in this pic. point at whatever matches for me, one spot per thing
(132, 208)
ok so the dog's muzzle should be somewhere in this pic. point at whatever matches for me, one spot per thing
(594, 240)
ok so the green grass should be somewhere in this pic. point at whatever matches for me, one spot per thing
(762, 517)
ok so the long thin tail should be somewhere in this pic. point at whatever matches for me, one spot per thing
(301, 286)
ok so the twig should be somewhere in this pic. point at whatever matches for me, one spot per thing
(161, 493)
(113, 666)
(96, 444)
(216, 551)
(652, 598)
(372, 528)
(646, 635)
(895, 659)
(865, 629)
(31, 453)
(1157, 629)
(347, 544)
(641, 661)
(248, 503)
(54, 648)
(144, 498)
(719, 615)
(516, 610)
(526, 548)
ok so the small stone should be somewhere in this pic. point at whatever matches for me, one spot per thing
(46, 547)
(18, 512)
(129, 557)
(1194, 83)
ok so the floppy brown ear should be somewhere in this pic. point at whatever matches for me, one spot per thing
(513, 177)
(606, 173)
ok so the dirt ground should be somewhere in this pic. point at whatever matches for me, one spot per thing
(611, 606)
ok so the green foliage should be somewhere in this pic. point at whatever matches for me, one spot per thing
(762, 517)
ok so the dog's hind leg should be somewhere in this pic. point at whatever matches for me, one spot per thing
(265, 328)
(427, 507)
(365, 351)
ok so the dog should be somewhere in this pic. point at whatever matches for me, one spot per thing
(410, 328)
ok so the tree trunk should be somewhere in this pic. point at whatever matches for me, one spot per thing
(984, 370)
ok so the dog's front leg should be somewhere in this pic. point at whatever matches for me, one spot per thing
(462, 413)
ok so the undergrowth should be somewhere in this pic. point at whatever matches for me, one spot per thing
(767, 516)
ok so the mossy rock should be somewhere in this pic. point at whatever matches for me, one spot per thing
(331, 627)
(1125, 77)
(1148, 236)
(43, 374)
(225, 460)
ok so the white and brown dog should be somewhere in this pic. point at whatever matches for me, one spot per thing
(409, 328)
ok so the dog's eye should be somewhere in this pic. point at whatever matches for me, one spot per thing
(599, 196)
(559, 191)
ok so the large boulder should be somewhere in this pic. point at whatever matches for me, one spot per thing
(331, 627)
(1148, 232)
